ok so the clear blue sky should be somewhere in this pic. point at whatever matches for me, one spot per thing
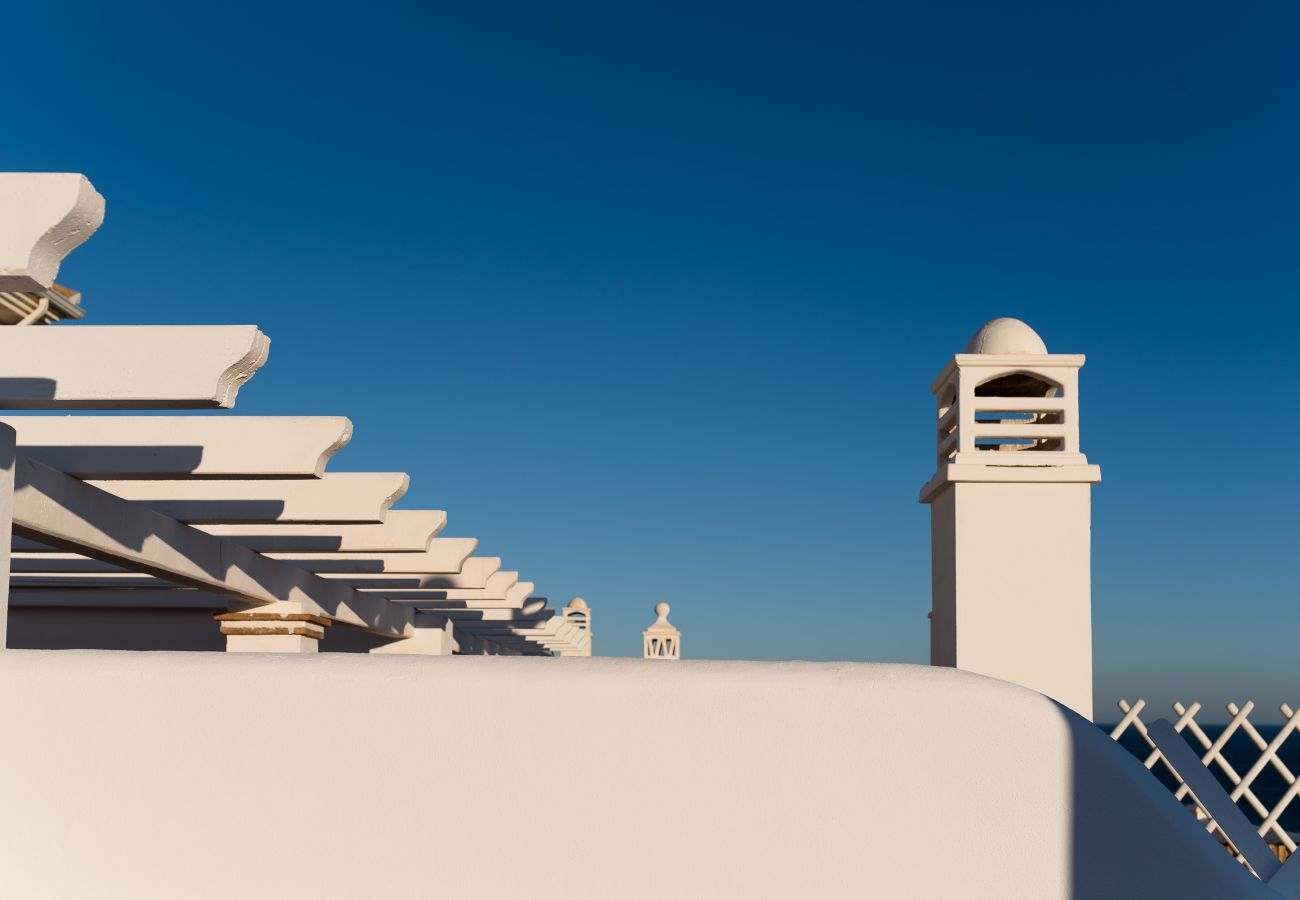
(649, 296)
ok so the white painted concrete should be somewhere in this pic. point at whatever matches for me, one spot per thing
(109, 447)
(1011, 517)
(403, 530)
(426, 637)
(319, 776)
(556, 634)
(502, 592)
(443, 556)
(57, 562)
(474, 573)
(59, 510)
(104, 506)
(496, 589)
(271, 643)
(334, 497)
(128, 366)
(110, 576)
(1016, 602)
(44, 216)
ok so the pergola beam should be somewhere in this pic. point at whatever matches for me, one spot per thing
(66, 513)
(128, 366)
(495, 587)
(358, 497)
(112, 447)
(512, 598)
(135, 598)
(402, 531)
(448, 565)
(444, 556)
(47, 216)
(473, 575)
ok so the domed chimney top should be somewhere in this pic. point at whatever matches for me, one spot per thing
(1006, 404)
(1007, 337)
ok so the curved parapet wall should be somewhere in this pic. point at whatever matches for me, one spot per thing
(201, 775)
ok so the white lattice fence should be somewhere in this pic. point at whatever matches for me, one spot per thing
(1212, 755)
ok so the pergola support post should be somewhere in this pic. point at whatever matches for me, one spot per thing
(280, 628)
(431, 635)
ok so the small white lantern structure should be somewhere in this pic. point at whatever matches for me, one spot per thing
(1010, 517)
(578, 614)
(662, 640)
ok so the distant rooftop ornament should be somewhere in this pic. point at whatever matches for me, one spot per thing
(1007, 337)
(662, 640)
(578, 614)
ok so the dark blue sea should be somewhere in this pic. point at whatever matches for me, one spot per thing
(1241, 753)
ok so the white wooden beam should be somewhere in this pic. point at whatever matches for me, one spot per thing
(445, 555)
(46, 216)
(87, 581)
(63, 512)
(449, 558)
(503, 628)
(473, 574)
(499, 625)
(512, 597)
(128, 366)
(402, 531)
(494, 588)
(58, 561)
(553, 633)
(112, 447)
(334, 497)
(458, 570)
(169, 597)
(484, 632)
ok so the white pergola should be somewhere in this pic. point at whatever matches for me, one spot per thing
(233, 519)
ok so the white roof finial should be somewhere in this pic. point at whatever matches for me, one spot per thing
(661, 639)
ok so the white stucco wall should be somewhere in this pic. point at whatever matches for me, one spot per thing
(165, 775)
(1012, 586)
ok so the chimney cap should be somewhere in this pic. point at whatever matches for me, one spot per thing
(1007, 337)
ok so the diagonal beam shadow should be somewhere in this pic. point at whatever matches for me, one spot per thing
(52, 508)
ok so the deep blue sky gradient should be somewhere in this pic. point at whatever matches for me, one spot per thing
(649, 296)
